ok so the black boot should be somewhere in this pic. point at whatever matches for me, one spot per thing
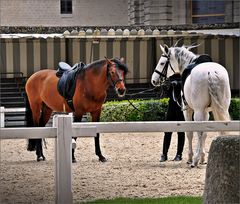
(178, 157)
(163, 158)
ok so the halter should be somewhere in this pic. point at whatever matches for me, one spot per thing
(163, 74)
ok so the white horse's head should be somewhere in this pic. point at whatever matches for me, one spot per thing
(166, 67)
(172, 61)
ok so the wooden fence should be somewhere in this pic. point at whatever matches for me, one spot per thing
(63, 130)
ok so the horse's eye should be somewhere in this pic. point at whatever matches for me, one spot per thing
(162, 63)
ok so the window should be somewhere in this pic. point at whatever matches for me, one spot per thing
(66, 6)
(208, 11)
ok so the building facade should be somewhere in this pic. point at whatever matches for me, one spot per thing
(117, 12)
(63, 12)
(173, 12)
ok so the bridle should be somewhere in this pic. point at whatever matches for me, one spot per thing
(109, 77)
(163, 74)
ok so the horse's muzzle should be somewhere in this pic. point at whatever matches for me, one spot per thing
(121, 92)
(155, 83)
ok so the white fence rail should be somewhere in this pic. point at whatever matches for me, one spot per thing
(8, 110)
(63, 130)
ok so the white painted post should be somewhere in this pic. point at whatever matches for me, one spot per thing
(2, 117)
(63, 171)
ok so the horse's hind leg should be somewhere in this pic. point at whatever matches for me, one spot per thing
(202, 140)
(190, 148)
(75, 119)
(96, 118)
(45, 116)
(188, 117)
(200, 115)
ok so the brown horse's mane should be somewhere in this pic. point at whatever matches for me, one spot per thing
(96, 65)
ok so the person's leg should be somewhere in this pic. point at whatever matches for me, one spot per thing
(180, 145)
(168, 135)
(166, 144)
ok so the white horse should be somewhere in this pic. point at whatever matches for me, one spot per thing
(206, 89)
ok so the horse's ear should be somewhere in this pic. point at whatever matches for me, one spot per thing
(122, 59)
(166, 49)
(162, 48)
(108, 60)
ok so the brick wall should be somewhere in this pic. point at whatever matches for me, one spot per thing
(47, 13)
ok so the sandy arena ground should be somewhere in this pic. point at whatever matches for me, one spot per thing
(133, 170)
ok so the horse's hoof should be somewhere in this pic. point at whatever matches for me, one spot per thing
(189, 162)
(42, 158)
(192, 165)
(74, 160)
(102, 159)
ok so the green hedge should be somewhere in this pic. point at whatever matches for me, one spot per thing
(234, 109)
(148, 110)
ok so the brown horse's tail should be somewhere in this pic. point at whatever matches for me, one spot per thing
(29, 123)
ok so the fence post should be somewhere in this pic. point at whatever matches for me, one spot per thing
(63, 156)
(2, 117)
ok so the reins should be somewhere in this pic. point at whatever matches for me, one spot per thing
(176, 99)
(137, 93)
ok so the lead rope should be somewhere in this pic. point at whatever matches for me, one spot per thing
(177, 101)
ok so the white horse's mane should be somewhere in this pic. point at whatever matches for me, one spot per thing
(183, 56)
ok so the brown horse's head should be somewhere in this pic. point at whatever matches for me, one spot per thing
(116, 74)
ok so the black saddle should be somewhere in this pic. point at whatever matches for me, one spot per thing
(67, 82)
(201, 59)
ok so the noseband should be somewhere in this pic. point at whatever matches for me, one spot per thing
(163, 74)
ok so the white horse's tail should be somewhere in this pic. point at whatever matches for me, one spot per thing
(220, 92)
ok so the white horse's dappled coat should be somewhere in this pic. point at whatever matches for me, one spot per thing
(206, 89)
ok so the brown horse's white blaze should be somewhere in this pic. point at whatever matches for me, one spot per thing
(90, 93)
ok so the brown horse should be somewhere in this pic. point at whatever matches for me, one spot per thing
(90, 93)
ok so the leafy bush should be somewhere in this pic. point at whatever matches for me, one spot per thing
(143, 110)
(234, 109)
(148, 110)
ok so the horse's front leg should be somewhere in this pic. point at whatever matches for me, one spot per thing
(190, 148)
(96, 118)
(39, 150)
(98, 149)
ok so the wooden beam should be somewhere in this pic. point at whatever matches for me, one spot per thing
(161, 126)
(27, 133)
